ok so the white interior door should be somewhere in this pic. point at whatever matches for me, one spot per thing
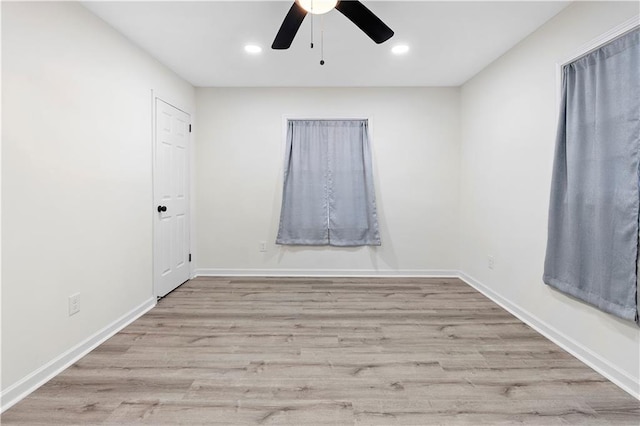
(171, 224)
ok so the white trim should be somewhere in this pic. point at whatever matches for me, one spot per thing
(617, 31)
(153, 192)
(311, 117)
(168, 100)
(422, 273)
(19, 390)
(620, 378)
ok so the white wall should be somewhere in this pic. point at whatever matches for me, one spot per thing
(508, 136)
(76, 179)
(239, 161)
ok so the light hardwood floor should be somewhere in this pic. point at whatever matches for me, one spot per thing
(327, 351)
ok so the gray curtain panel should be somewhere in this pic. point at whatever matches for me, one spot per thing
(328, 196)
(592, 244)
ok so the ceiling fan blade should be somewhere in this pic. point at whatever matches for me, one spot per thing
(289, 27)
(372, 26)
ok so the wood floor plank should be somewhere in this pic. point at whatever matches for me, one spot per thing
(334, 351)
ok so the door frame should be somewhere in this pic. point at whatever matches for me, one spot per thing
(154, 185)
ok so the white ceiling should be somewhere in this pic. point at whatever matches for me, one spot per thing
(203, 41)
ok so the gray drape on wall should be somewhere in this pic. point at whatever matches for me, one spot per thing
(592, 244)
(328, 196)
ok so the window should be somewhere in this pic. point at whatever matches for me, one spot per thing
(592, 246)
(328, 196)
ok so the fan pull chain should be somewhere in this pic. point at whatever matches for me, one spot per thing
(311, 26)
(322, 40)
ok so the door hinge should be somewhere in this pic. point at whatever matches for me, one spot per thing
(189, 128)
(189, 257)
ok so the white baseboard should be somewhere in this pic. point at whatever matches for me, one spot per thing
(366, 273)
(14, 393)
(622, 379)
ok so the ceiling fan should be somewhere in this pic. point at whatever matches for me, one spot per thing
(355, 11)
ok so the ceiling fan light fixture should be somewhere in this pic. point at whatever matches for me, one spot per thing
(317, 7)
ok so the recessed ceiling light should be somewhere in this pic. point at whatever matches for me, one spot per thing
(252, 48)
(400, 49)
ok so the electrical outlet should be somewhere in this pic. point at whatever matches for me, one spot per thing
(491, 262)
(263, 246)
(74, 304)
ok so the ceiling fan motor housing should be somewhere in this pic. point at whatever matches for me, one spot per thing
(354, 10)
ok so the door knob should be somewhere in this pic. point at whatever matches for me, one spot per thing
(162, 209)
